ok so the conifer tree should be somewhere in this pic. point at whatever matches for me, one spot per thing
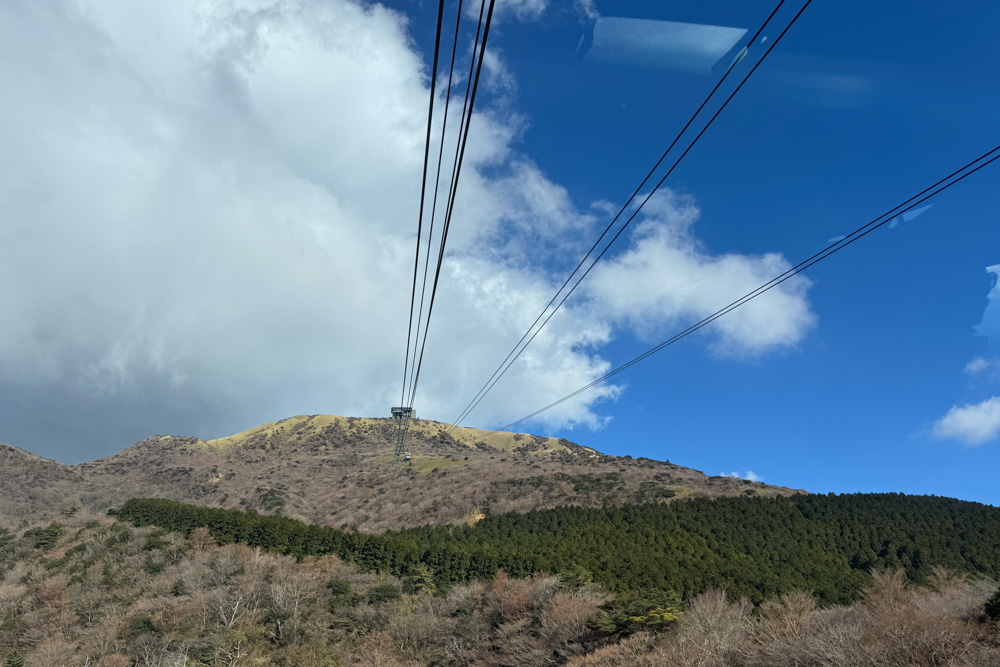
(993, 607)
(422, 580)
(14, 660)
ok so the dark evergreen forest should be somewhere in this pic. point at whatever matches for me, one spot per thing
(754, 547)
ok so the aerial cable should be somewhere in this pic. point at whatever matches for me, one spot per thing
(451, 197)
(437, 177)
(859, 233)
(466, 121)
(515, 353)
(423, 188)
(437, 182)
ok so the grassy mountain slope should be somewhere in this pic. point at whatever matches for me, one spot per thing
(337, 471)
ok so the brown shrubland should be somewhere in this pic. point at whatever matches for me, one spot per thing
(113, 595)
(894, 624)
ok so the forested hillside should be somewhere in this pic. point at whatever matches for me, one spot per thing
(89, 591)
(755, 547)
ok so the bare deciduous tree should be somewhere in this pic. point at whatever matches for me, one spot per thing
(231, 655)
(228, 607)
(147, 650)
(201, 539)
(11, 596)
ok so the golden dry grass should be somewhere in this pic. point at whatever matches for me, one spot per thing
(302, 426)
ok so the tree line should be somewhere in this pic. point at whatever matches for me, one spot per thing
(754, 547)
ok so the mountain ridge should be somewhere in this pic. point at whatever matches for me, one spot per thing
(337, 471)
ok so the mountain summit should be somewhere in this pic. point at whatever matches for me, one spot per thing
(338, 471)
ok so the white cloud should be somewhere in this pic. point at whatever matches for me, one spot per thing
(209, 209)
(498, 77)
(983, 367)
(533, 10)
(971, 424)
(990, 326)
(665, 281)
(749, 474)
(523, 10)
(227, 204)
(587, 8)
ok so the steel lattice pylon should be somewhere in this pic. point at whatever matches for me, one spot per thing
(402, 417)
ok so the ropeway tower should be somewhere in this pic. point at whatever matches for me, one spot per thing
(402, 416)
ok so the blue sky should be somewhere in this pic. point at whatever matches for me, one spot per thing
(211, 215)
(862, 105)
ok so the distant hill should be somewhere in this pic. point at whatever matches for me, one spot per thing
(337, 471)
(32, 487)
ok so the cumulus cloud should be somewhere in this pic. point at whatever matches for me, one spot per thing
(978, 423)
(971, 424)
(749, 474)
(209, 223)
(665, 279)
